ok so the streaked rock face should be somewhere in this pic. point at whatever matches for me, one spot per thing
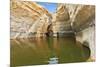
(73, 17)
(61, 21)
(28, 19)
(84, 18)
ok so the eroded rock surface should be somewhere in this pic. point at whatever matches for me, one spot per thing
(28, 19)
(73, 18)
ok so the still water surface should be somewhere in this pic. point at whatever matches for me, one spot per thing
(38, 51)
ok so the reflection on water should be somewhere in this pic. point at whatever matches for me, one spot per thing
(47, 51)
(53, 60)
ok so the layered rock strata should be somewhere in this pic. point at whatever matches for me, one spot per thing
(28, 19)
(61, 22)
(72, 18)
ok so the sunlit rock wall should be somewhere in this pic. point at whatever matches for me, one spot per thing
(71, 18)
(61, 21)
(84, 18)
(28, 19)
(65, 17)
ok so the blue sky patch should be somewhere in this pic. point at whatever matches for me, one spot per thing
(51, 7)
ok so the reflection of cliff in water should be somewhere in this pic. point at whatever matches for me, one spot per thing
(43, 50)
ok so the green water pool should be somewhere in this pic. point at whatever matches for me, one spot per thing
(38, 51)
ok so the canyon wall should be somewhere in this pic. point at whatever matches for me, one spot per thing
(28, 19)
(71, 18)
(61, 22)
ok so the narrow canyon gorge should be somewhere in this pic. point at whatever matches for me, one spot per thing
(31, 20)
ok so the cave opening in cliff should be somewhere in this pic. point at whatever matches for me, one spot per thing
(49, 32)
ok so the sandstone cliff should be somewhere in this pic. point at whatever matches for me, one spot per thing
(73, 17)
(28, 19)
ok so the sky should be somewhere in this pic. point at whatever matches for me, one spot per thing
(51, 7)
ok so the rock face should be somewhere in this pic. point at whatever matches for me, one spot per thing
(61, 21)
(71, 18)
(84, 18)
(28, 19)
